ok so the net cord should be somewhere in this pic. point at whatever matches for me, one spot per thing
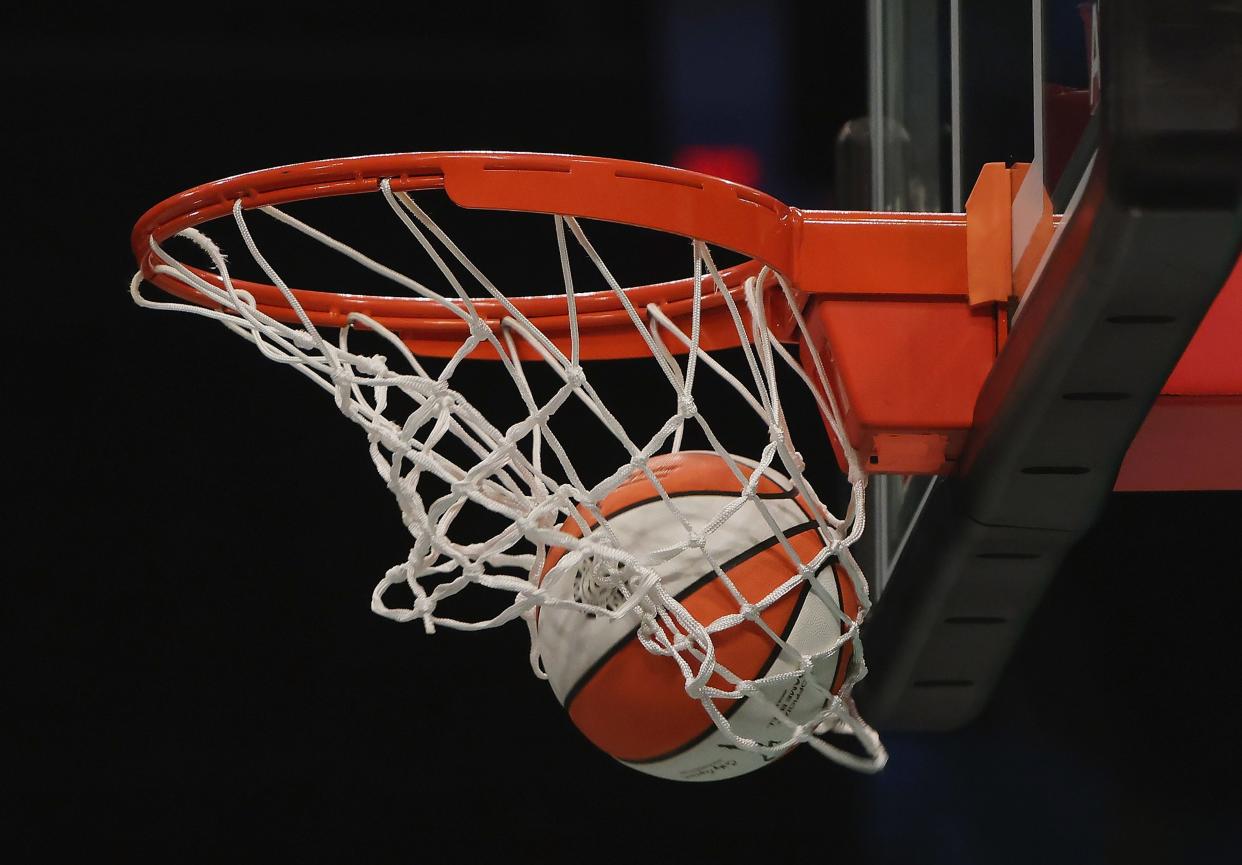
(514, 470)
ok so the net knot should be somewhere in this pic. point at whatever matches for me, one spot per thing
(375, 365)
(566, 494)
(686, 408)
(344, 400)
(695, 541)
(541, 417)
(575, 377)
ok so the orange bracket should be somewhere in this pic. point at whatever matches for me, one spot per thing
(1009, 225)
(908, 349)
(911, 309)
(989, 236)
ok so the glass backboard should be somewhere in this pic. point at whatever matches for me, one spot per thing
(953, 85)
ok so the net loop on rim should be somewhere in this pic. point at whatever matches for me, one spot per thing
(450, 454)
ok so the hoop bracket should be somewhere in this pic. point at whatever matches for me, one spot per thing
(886, 294)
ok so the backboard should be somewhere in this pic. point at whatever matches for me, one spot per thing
(1074, 91)
(961, 84)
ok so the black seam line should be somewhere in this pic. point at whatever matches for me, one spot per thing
(592, 526)
(767, 543)
(840, 666)
(787, 494)
(776, 652)
(731, 494)
(736, 704)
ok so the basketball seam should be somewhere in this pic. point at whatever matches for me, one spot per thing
(592, 526)
(793, 532)
(765, 544)
(737, 704)
(731, 494)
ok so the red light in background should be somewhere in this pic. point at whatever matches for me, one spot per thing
(732, 162)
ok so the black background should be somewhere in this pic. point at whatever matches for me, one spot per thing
(193, 671)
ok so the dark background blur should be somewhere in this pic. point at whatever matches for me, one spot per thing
(193, 671)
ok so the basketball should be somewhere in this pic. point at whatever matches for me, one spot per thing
(632, 703)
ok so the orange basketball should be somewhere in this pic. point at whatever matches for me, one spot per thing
(633, 704)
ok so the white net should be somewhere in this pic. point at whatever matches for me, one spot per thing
(444, 457)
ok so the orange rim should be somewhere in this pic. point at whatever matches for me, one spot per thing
(665, 199)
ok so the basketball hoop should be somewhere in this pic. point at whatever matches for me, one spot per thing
(523, 474)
